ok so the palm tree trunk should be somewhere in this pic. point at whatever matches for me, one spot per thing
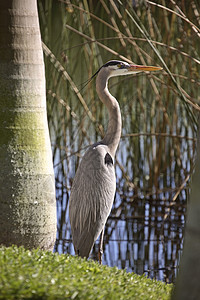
(187, 284)
(27, 187)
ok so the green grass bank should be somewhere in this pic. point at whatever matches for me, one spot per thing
(40, 274)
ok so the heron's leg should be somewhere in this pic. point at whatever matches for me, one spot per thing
(100, 253)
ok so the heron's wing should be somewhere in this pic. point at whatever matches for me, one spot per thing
(91, 198)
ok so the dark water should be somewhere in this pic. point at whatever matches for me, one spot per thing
(144, 233)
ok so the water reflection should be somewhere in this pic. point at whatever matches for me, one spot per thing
(144, 243)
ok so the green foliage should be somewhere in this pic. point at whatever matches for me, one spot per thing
(39, 274)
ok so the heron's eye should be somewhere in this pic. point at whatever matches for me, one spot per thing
(119, 66)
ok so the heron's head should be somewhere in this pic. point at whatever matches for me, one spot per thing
(117, 68)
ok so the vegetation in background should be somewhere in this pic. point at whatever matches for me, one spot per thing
(155, 159)
(43, 275)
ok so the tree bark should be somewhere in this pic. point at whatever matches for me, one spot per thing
(27, 186)
(187, 284)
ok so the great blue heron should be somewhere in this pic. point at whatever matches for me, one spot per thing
(94, 185)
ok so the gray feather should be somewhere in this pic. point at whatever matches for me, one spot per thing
(91, 198)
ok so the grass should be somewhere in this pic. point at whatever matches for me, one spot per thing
(40, 274)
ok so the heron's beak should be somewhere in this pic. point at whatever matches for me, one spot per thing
(138, 68)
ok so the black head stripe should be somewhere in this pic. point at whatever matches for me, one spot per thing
(109, 63)
(112, 63)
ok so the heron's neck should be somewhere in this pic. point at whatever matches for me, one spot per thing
(112, 136)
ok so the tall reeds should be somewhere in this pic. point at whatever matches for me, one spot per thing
(156, 155)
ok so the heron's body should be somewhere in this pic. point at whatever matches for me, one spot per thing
(94, 184)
